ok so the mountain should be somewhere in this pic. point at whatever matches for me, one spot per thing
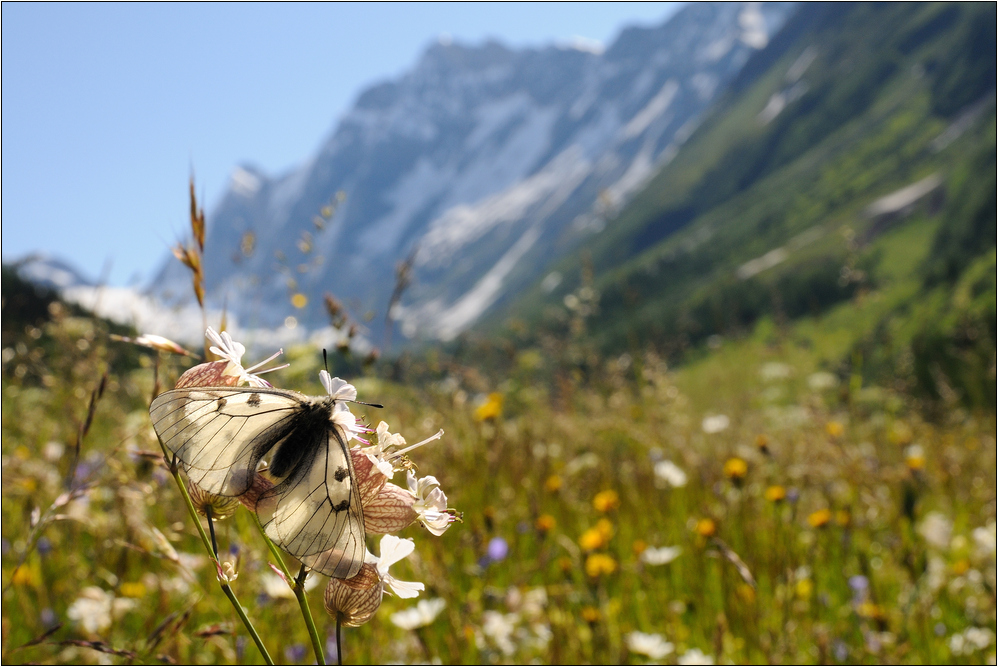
(840, 194)
(481, 164)
(50, 272)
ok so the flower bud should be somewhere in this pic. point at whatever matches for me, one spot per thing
(353, 602)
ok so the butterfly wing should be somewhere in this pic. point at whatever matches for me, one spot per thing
(315, 514)
(221, 434)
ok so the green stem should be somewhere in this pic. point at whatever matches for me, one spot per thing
(207, 545)
(274, 551)
(306, 613)
(297, 585)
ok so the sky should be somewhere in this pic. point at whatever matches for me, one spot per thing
(108, 109)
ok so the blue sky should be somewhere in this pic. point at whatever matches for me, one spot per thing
(107, 108)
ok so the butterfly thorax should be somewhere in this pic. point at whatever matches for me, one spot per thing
(306, 433)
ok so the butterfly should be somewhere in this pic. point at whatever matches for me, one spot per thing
(220, 435)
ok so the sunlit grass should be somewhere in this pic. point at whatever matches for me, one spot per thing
(813, 526)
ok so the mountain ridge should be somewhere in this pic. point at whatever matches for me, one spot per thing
(483, 161)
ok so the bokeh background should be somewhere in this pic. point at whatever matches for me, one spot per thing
(702, 296)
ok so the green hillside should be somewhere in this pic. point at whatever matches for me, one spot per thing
(770, 212)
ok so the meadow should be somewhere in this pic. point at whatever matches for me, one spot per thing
(751, 505)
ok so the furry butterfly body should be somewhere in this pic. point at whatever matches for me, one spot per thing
(221, 434)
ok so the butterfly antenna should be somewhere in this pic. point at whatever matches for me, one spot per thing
(325, 363)
(370, 405)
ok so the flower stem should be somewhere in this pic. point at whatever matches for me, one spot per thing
(208, 547)
(339, 642)
(211, 529)
(297, 585)
(307, 615)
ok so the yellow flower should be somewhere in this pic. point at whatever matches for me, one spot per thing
(705, 527)
(735, 468)
(804, 588)
(552, 483)
(775, 494)
(24, 576)
(591, 540)
(597, 564)
(605, 528)
(820, 518)
(491, 409)
(914, 458)
(590, 614)
(299, 300)
(604, 501)
(639, 546)
(870, 610)
(545, 523)
(132, 589)
(834, 429)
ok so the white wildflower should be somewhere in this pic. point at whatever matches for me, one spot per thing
(774, 370)
(227, 572)
(670, 474)
(985, 541)
(652, 645)
(937, 530)
(695, 657)
(96, 608)
(431, 503)
(424, 613)
(715, 423)
(233, 352)
(394, 549)
(499, 628)
(821, 380)
(388, 452)
(660, 555)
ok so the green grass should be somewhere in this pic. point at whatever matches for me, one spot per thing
(554, 448)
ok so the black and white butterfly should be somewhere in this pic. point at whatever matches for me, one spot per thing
(221, 434)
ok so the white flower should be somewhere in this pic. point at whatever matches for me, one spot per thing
(660, 555)
(652, 645)
(233, 352)
(343, 392)
(979, 637)
(670, 474)
(775, 370)
(715, 423)
(695, 657)
(394, 549)
(431, 503)
(821, 380)
(227, 572)
(380, 453)
(339, 389)
(936, 529)
(499, 628)
(96, 608)
(424, 613)
(984, 541)
(391, 447)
